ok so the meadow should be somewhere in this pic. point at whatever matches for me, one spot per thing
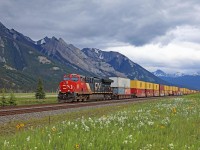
(29, 98)
(157, 125)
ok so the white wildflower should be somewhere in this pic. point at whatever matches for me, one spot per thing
(120, 129)
(125, 142)
(171, 146)
(28, 138)
(150, 123)
(6, 143)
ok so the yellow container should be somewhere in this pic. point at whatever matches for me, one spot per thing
(155, 86)
(182, 90)
(148, 85)
(137, 84)
(166, 88)
(173, 88)
(170, 88)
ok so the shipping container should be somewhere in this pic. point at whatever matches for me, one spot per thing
(166, 87)
(156, 86)
(179, 91)
(120, 82)
(182, 91)
(149, 86)
(149, 89)
(156, 90)
(118, 90)
(138, 92)
(149, 92)
(166, 93)
(137, 84)
(170, 90)
(127, 91)
(161, 90)
(166, 90)
(174, 90)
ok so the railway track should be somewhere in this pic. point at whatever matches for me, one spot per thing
(50, 107)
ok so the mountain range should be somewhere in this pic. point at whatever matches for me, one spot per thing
(23, 61)
(191, 81)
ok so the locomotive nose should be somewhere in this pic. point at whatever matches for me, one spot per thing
(65, 86)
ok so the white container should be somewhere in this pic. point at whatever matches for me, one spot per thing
(120, 82)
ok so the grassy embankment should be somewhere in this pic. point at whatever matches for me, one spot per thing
(164, 124)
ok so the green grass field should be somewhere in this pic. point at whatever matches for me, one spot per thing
(29, 98)
(163, 124)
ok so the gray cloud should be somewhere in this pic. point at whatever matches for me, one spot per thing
(99, 23)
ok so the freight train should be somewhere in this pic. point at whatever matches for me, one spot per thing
(75, 87)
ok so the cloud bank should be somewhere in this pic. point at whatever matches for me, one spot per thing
(154, 29)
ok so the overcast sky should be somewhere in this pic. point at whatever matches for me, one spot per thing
(157, 34)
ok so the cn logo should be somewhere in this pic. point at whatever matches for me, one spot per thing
(70, 87)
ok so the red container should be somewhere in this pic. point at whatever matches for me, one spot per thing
(127, 91)
(156, 93)
(166, 93)
(161, 90)
(138, 92)
(149, 92)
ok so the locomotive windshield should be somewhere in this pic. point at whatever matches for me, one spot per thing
(66, 78)
(72, 79)
(75, 79)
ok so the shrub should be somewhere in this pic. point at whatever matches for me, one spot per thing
(3, 98)
(12, 100)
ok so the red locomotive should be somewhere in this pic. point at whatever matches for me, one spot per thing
(76, 87)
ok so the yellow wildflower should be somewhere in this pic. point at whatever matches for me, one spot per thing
(53, 129)
(77, 146)
(162, 127)
(174, 110)
(21, 125)
(18, 126)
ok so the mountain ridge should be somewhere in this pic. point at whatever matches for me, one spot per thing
(183, 80)
(51, 58)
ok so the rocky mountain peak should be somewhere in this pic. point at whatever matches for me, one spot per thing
(159, 73)
(121, 65)
(2, 26)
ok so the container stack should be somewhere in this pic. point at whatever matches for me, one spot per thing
(170, 90)
(156, 89)
(120, 85)
(149, 89)
(138, 88)
(166, 90)
(174, 90)
(162, 90)
(182, 91)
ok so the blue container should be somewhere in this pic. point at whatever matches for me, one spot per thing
(118, 90)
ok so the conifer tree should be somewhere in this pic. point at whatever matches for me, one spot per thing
(12, 100)
(3, 98)
(40, 94)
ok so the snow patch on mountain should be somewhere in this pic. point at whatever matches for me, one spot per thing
(43, 60)
(160, 73)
